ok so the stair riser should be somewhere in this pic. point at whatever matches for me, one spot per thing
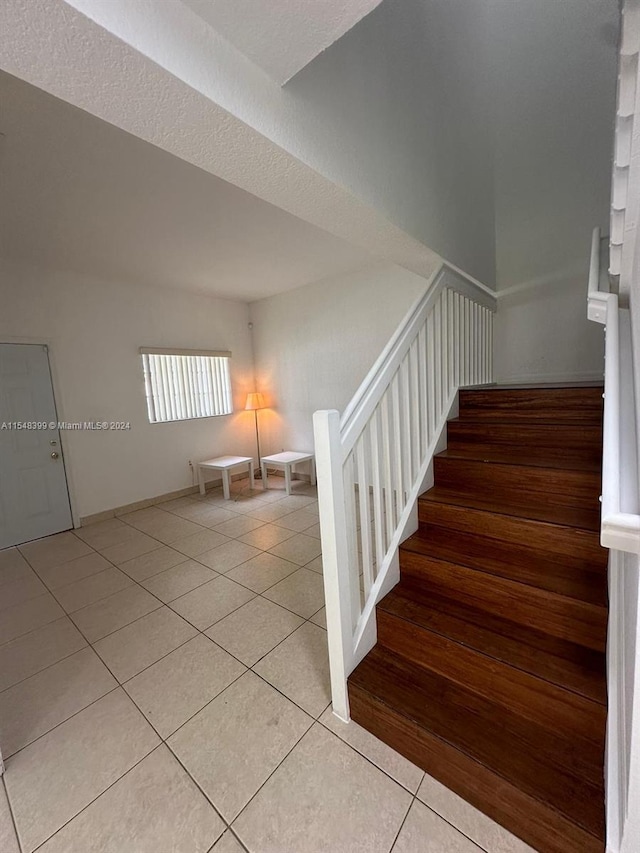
(560, 405)
(578, 579)
(553, 538)
(534, 822)
(567, 619)
(543, 436)
(526, 696)
(566, 665)
(458, 719)
(552, 440)
(548, 486)
(489, 667)
(558, 457)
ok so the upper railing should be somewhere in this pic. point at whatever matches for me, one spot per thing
(374, 461)
(619, 530)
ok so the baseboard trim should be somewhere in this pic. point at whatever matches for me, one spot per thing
(558, 378)
(210, 486)
(147, 502)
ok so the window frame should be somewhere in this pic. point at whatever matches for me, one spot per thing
(177, 392)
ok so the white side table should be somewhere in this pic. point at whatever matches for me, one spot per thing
(224, 464)
(287, 460)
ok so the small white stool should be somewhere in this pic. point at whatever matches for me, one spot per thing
(287, 460)
(224, 464)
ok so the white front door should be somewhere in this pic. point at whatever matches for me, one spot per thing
(34, 500)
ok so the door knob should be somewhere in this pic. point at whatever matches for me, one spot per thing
(54, 455)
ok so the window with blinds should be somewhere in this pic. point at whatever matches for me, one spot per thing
(185, 384)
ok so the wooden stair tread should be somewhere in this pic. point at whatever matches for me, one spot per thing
(559, 710)
(562, 405)
(565, 516)
(521, 456)
(559, 662)
(490, 669)
(573, 576)
(550, 438)
(537, 386)
(538, 823)
(558, 539)
(521, 754)
(560, 616)
(518, 482)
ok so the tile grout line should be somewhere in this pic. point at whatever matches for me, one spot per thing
(315, 719)
(11, 814)
(357, 752)
(402, 823)
(278, 765)
(370, 760)
(165, 604)
(85, 807)
(162, 544)
(120, 685)
(163, 741)
(230, 829)
(48, 666)
(457, 828)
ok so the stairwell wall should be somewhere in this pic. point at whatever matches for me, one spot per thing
(314, 346)
(554, 70)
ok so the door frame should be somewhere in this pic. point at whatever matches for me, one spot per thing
(58, 402)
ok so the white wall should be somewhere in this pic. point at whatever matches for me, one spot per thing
(541, 333)
(94, 328)
(394, 110)
(554, 80)
(314, 346)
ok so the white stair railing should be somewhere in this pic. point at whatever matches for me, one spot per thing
(374, 461)
(620, 533)
(619, 530)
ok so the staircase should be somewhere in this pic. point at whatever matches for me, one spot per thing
(489, 670)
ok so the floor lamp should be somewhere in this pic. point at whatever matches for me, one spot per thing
(254, 402)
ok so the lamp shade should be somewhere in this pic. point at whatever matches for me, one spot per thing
(255, 401)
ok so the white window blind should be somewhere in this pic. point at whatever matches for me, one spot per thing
(185, 384)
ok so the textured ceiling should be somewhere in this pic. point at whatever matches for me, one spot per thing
(57, 47)
(82, 195)
(281, 36)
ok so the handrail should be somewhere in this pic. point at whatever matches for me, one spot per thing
(369, 392)
(374, 461)
(618, 530)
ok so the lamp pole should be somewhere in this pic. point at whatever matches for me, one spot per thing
(255, 401)
(258, 474)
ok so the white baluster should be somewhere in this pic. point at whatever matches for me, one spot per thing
(350, 479)
(423, 392)
(416, 410)
(406, 415)
(387, 472)
(335, 555)
(365, 513)
(378, 503)
(457, 339)
(437, 322)
(491, 349)
(431, 381)
(396, 448)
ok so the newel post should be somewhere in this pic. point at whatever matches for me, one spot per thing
(335, 556)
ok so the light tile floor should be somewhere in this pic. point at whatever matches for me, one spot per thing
(164, 688)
